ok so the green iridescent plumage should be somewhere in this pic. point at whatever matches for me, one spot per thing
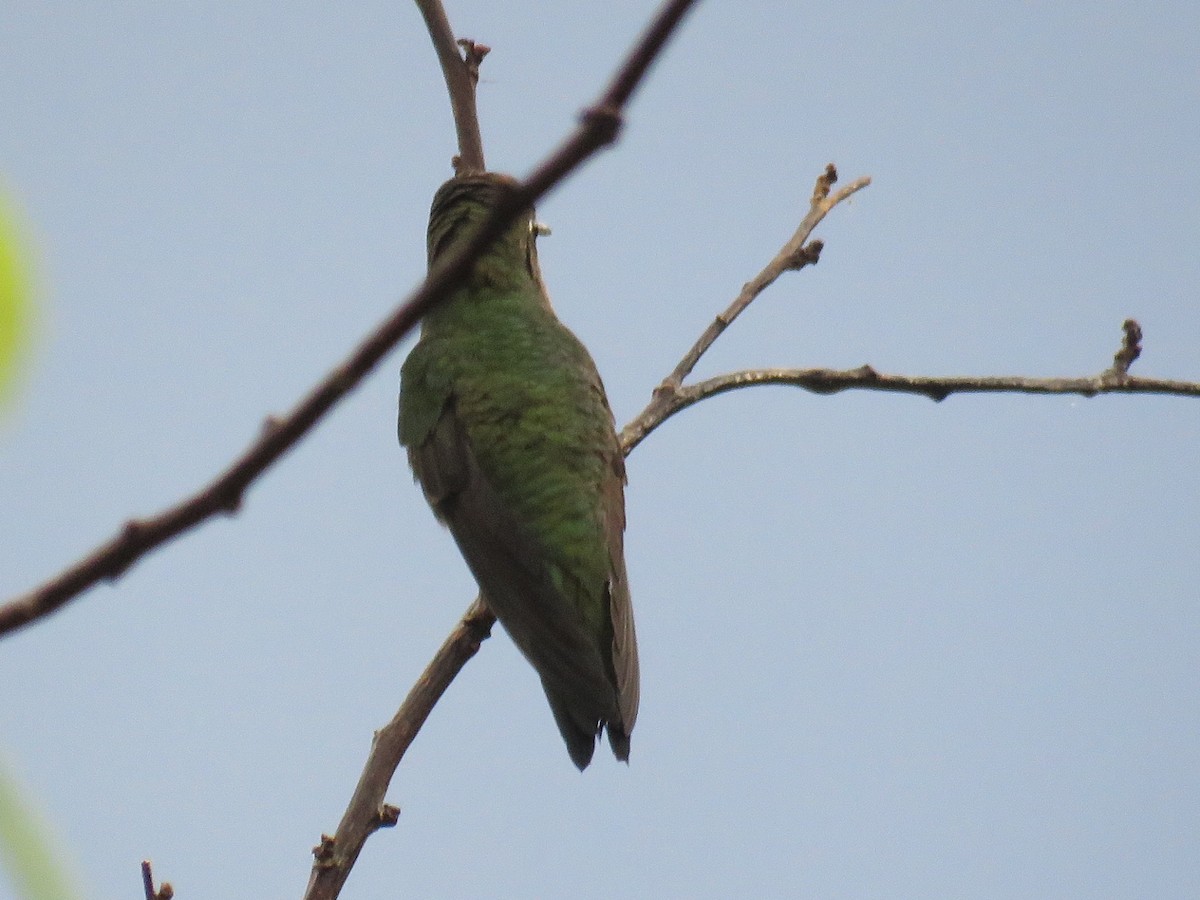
(509, 432)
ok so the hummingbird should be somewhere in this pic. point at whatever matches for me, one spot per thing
(509, 432)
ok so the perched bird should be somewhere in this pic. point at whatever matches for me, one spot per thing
(509, 432)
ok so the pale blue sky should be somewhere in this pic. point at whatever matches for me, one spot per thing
(890, 648)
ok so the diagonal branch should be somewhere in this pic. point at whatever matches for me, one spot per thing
(367, 812)
(794, 255)
(598, 128)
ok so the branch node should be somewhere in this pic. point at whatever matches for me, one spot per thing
(1131, 349)
(473, 54)
(231, 500)
(478, 623)
(132, 530)
(323, 852)
(808, 255)
(604, 122)
(668, 389)
(825, 182)
(131, 535)
(387, 816)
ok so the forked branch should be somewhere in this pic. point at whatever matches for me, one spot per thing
(367, 810)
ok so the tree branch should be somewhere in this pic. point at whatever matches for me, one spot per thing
(598, 128)
(165, 892)
(461, 74)
(367, 812)
(793, 256)
(831, 381)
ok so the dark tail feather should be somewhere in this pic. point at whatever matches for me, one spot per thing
(619, 741)
(580, 737)
(581, 741)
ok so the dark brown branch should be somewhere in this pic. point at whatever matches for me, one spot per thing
(598, 128)
(461, 74)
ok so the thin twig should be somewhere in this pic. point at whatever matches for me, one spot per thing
(831, 381)
(1131, 349)
(165, 891)
(461, 76)
(794, 255)
(335, 855)
(598, 128)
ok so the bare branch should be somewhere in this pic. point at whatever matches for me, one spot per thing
(831, 381)
(165, 892)
(367, 812)
(461, 77)
(598, 128)
(335, 855)
(1115, 380)
(794, 255)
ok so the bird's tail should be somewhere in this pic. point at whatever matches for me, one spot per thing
(580, 731)
(619, 741)
(580, 737)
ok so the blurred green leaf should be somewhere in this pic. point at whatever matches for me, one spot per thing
(16, 297)
(35, 870)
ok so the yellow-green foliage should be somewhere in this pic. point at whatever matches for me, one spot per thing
(16, 297)
(29, 860)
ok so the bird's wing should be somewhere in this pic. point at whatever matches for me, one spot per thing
(511, 570)
(624, 645)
